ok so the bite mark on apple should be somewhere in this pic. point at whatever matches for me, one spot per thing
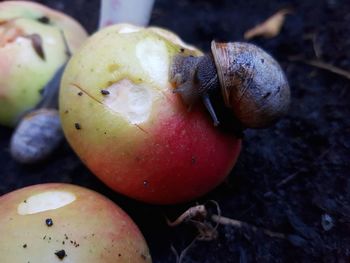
(153, 56)
(132, 101)
(45, 201)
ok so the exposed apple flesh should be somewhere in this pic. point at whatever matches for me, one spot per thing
(32, 48)
(120, 115)
(66, 223)
(45, 201)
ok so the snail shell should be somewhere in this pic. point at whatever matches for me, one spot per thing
(252, 83)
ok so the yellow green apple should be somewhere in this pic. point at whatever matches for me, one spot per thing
(32, 48)
(66, 223)
(121, 116)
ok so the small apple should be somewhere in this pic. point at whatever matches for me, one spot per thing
(32, 48)
(66, 223)
(120, 115)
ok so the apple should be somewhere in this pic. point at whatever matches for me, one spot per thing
(66, 223)
(32, 48)
(120, 115)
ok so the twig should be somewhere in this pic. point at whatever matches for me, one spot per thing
(175, 253)
(240, 224)
(328, 67)
(207, 232)
(284, 182)
(183, 253)
(195, 215)
(192, 212)
(316, 46)
(218, 211)
(323, 65)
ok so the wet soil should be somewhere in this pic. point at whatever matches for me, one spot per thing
(293, 178)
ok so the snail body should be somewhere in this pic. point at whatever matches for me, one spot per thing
(251, 82)
(37, 136)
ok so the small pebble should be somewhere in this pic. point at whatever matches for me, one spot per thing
(327, 222)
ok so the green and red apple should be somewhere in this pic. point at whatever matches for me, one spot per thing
(32, 48)
(66, 223)
(120, 115)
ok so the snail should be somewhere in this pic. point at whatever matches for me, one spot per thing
(251, 82)
(39, 132)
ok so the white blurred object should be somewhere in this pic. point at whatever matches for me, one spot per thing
(137, 12)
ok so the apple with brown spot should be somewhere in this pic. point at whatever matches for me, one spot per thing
(32, 48)
(120, 115)
(66, 223)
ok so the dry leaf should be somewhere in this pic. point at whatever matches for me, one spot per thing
(270, 28)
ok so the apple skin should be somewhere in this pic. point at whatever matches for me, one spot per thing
(139, 138)
(90, 228)
(22, 72)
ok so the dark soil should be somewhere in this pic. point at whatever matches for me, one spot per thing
(310, 146)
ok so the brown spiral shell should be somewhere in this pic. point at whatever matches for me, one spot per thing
(252, 83)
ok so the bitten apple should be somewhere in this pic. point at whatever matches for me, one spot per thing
(120, 115)
(32, 48)
(66, 223)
